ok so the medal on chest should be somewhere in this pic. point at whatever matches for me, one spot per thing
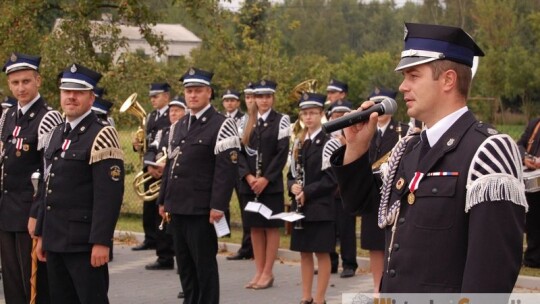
(65, 146)
(413, 185)
(18, 142)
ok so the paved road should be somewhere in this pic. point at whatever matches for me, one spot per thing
(131, 283)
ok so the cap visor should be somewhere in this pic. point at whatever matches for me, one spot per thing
(19, 68)
(74, 86)
(407, 62)
(195, 84)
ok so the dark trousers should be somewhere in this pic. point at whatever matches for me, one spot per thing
(164, 242)
(196, 246)
(149, 217)
(532, 227)
(246, 249)
(16, 249)
(72, 279)
(346, 233)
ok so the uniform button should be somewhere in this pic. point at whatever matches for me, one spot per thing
(401, 220)
(5, 174)
(176, 176)
(49, 191)
(200, 141)
(178, 165)
(180, 153)
(392, 273)
(183, 141)
(396, 247)
(55, 158)
(52, 174)
(5, 191)
(5, 156)
(49, 208)
(434, 190)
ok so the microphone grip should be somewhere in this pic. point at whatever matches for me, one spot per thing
(351, 119)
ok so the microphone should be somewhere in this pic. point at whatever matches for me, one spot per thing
(386, 106)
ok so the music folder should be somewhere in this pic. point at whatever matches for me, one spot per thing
(260, 208)
(288, 216)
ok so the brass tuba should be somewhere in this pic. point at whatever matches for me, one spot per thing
(143, 177)
(134, 108)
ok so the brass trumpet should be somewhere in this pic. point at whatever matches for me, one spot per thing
(143, 177)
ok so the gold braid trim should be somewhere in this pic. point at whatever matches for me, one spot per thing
(106, 145)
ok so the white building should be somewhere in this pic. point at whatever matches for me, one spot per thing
(180, 41)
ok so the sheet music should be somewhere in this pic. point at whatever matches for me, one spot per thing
(221, 227)
(288, 216)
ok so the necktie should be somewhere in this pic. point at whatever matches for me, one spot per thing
(378, 139)
(67, 130)
(305, 146)
(19, 114)
(425, 144)
(192, 120)
(158, 114)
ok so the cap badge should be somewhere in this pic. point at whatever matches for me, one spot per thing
(13, 57)
(228, 91)
(73, 68)
(450, 142)
(377, 90)
(263, 82)
(83, 128)
(331, 81)
(32, 115)
(305, 96)
(191, 71)
(6, 99)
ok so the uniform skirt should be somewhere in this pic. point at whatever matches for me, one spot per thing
(317, 236)
(274, 201)
(371, 236)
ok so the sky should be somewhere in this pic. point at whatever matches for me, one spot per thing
(235, 5)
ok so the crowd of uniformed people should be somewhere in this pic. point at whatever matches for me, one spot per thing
(449, 192)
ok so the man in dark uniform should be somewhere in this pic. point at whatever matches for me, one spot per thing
(336, 93)
(231, 104)
(197, 183)
(389, 132)
(453, 204)
(22, 131)
(529, 146)
(157, 120)
(75, 228)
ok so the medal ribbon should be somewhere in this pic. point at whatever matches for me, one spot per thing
(443, 173)
(413, 185)
(19, 143)
(16, 131)
(66, 144)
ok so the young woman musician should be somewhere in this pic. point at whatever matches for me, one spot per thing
(314, 193)
(261, 162)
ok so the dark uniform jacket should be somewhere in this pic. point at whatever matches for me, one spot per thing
(442, 242)
(523, 141)
(83, 189)
(202, 165)
(153, 127)
(271, 140)
(319, 179)
(389, 139)
(19, 164)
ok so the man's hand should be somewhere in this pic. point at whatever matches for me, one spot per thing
(32, 227)
(358, 136)
(41, 255)
(100, 255)
(162, 211)
(300, 198)
(215, 216)
(155, 172)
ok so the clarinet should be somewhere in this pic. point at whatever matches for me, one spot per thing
(258, 170)
(300, 178)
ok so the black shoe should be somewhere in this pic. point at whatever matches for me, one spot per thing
(159, 266)
(237, 257)
(347, 273)
(144, 246)
(181, 295)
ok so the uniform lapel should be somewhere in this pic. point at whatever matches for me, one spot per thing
(267, 123)
(315, 143)
(81, 127)
(24, 121)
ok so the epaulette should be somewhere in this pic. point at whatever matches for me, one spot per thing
(496, 173)
(227, 137)
(106, 145)
(284, 127)
(329, 147)
(103, 122)
(486, 129)
(50, 120)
